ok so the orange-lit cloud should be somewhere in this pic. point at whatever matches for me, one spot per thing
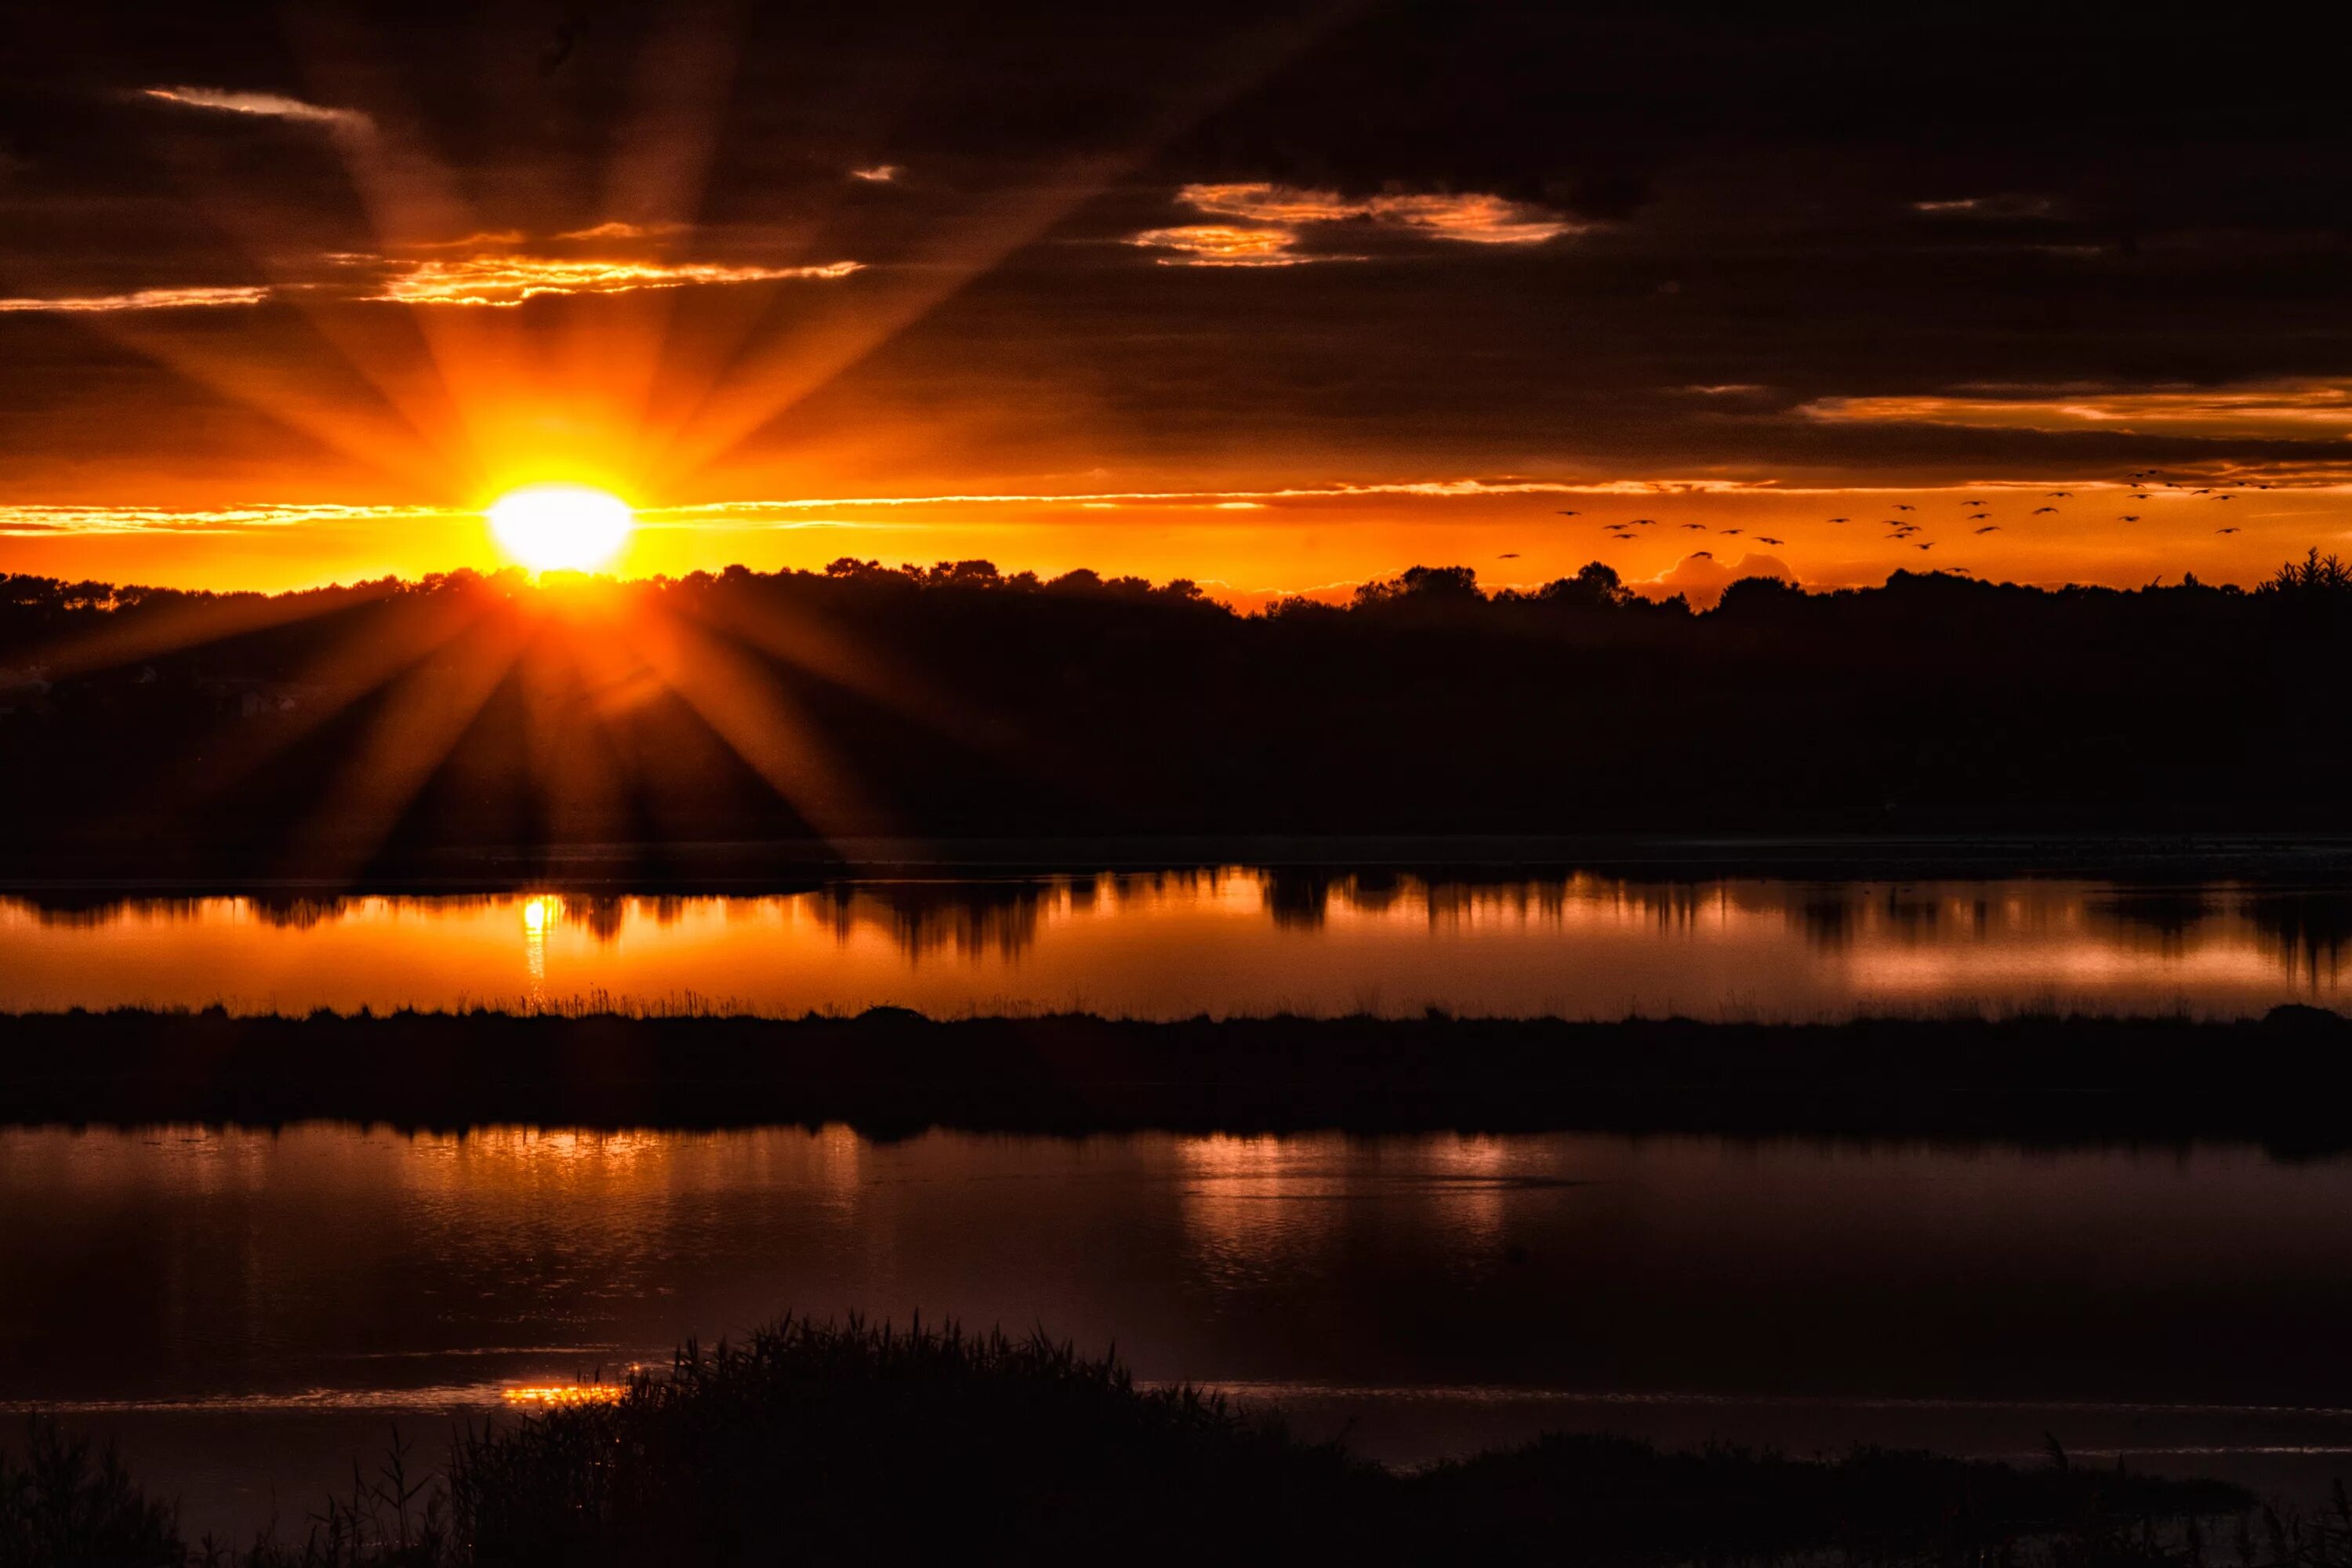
(2289, 410)
(498, 237)
(880, 175)
(1269, 219)
(616, 229)
(265, 105)
(1473, 219)
(1701, 578)
(497, 281)
(2010, 207)
(139, 299)
(38, 521)
(1224, 245)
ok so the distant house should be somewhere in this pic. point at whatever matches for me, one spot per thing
(260, 698)
(21, 690)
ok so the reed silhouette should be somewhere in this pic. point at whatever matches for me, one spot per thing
(858, 1442)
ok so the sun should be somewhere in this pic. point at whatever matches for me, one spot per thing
(561, 528)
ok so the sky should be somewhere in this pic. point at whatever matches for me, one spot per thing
(1276, 298)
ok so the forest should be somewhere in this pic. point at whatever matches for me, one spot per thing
(342, 728)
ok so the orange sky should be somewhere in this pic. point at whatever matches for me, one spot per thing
(1246, 549)
(284, 305)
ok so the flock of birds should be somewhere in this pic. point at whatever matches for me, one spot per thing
(2143, 486)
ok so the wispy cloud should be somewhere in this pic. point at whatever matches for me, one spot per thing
(463, 242)
(499, 281)
(139, 299)
(266, 105)
(2009, 206)
(616, 229)
(1229, 500)
(35, 521)
(2288, 410)
(880, 175)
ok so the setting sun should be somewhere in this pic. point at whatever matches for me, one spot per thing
(559, 527)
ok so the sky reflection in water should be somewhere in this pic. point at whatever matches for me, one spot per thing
(1231, 940)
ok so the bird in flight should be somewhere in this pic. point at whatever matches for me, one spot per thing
(1990, 528)
(2128, 517)
(2224, 498)
(1929, 545)
(2062, 495)
(1508, 556)
(1571, 514)
(1767, 539)
(2225, 530)
(1731, 531)
(2040, 509)
(2140, 495)
(1841, 519)
(1900, 507)
(1700, 526)
(1978, 502)
(1979, 516)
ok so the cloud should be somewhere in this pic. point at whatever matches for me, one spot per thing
(2000, 206)
(471, 241)
(32, 521)
(1236, 499)
(880, 175)
(1270, 218)
(616, 229)
(266, 105)
(2284, 409)
(139, 299)
(1472, 218)
(501, 280)
(1224, 245)
(1701, 578)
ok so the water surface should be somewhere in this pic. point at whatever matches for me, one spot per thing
(247, 1310)
(1231, 940)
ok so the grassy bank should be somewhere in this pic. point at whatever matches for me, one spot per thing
(852, 1443)
(2282, 1079)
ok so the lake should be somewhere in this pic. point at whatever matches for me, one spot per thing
(247, 1309)
(1237, 940)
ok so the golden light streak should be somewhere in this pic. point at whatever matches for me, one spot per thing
(563, 1393)
(507, 280)
(2294, 411)
(138, 299)
(263, 105)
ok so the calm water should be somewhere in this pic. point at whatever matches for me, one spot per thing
(1225, 942)
(246, 1310)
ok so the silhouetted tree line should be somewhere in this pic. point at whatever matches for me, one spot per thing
(958, 700)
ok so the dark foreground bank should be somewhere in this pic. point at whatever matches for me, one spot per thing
(850, 1443)
(2282, 1079)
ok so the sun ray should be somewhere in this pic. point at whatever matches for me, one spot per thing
(421, 717)
(746, 707)
(767, 380)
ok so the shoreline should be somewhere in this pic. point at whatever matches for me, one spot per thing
(2278, 1082)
